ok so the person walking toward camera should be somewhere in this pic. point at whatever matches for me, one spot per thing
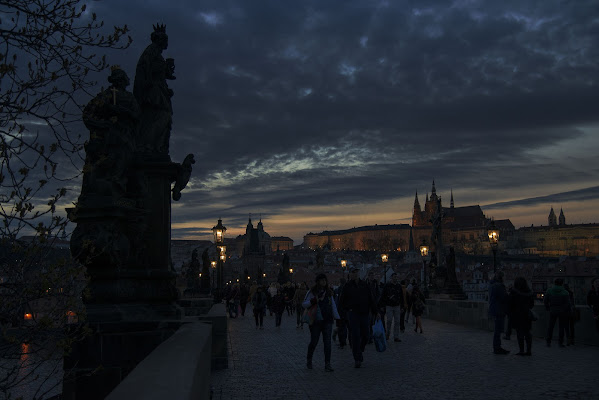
(259, 305)
(520, 302)
(357, 300)
(321, 296)
(557, 302)
(498, 301)
(393, 299)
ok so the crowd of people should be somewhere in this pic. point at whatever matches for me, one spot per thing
(346, 311)
(349, 310)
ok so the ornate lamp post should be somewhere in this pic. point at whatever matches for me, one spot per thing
(291, 274)
(424, 253)
(493, 233)
(219, 240)
(384, 259)
(343, 267)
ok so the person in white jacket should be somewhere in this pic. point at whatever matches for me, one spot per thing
(325, 312)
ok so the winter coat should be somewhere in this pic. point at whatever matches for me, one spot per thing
(259, 301)
(498, 299)
(519, 306)
(392, 296)
(557, 300)
(358, 298)
(327, 305)
(418, 302)
(278, 303)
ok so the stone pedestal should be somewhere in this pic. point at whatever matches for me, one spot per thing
(100, 362)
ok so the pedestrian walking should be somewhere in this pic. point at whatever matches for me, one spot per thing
(557, 302)
(402, 315)
(373, 285)
(358, 301)
(573, 317)
(259, 305)
(498, 301)
(392, 299)
(520, 302)
(418, 306)
(593, 301)
(321, 296)
(342, 323)
(298, 299)
(278, 306)
(244, 297)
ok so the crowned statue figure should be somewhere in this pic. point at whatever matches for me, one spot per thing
(154, 95)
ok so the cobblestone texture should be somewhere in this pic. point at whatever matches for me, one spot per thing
(446, 362)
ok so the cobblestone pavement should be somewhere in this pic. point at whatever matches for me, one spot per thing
(446, 362)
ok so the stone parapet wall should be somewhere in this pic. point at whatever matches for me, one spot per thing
(474, 314)
(177, 369)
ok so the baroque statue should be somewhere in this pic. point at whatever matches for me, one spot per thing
(154, 95)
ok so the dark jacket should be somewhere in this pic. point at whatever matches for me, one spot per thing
(519, 306)
(358, 298)
(278, 303)
(259, 301)
(392, 296)
(557, 300)
(498, 299)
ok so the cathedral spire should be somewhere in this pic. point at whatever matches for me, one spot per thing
(562, 217)
(433, 190)
(451, 201)
(416, 202)
(552, 219)
(426, 197)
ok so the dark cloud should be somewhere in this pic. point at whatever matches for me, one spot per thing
(312, 103)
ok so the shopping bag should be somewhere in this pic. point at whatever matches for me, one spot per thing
(378, 335)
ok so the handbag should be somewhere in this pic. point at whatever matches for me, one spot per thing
(378, 336)
(312, 314)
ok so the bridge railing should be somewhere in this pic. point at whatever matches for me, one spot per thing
(474, 314)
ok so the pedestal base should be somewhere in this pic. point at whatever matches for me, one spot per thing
(113, 349)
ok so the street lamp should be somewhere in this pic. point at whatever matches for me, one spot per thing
(424, 254)
(219, 239)
(384, 259)
(343, 267)
(291, 274)
(493, 233)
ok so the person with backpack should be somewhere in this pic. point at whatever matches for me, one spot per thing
(393, 300)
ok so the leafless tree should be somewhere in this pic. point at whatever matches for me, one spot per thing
(47, 56)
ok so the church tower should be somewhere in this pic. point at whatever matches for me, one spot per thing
(417, 213)
(451, 201)
(552, 218)
(562, 217)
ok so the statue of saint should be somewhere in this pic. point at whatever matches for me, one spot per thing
(112, 118)
(154, 95)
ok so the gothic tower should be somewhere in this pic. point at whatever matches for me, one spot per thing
(417, 213)
(552, 218)
(562, 217)
(451, 201)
